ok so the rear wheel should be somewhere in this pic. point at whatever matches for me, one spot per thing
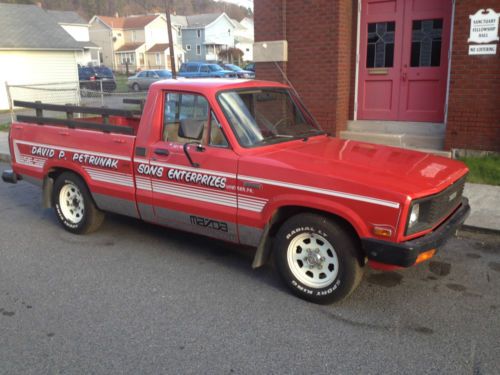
(74, 206)
(317, 258)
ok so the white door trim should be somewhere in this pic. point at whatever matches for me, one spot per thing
(450, 49)
(356, 79)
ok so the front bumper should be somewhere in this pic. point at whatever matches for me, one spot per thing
(405, 254)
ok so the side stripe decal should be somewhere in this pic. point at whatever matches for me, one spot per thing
(331, 193)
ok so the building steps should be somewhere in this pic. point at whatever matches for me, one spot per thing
(422, 136)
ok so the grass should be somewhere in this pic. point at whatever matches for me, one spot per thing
(5, 127)
(121, 82)
(483, 169)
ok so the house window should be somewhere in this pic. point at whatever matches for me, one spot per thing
(198, 33)
(127, 58)
(198, 49)
(158, 58)
(179, 31)
(134, 36)
(188, 47)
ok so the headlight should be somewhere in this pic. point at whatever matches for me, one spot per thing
(414, 214)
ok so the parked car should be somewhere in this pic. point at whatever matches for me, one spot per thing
(87, 78)
(142, 80)
(204, 70)
(91, 78)
(250, 66)
(241, 73)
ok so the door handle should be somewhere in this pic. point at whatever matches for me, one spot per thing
(62, 132)
(161, 151)
(118, 140)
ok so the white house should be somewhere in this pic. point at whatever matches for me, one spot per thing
(78, 28)
(35, 49)
(244, 37)
(135, 42)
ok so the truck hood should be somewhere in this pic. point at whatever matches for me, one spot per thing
(388, 168)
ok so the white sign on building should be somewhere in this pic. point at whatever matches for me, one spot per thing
(483, 49)
(484, 26)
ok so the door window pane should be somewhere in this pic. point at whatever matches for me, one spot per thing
(180, 107)
(426, 43)
(380, 49)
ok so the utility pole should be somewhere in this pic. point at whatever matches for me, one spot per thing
(171, 41)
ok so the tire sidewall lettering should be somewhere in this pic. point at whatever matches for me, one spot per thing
(63, 219)
(297, 284)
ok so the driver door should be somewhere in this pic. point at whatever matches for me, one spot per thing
(197, 195)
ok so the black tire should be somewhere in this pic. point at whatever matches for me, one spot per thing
(317, 258)
(136, 87)
(78, 214)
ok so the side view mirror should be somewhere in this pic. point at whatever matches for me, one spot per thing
(191, 129)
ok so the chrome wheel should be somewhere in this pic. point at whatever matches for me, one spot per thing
(312, 260)
(71, 203)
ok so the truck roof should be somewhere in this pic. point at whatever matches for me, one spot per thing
(212, 84)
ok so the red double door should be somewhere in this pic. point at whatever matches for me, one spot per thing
(403, 64)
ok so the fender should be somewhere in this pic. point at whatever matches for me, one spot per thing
(48, 182)
(328, 206)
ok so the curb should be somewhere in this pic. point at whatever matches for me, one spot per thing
(474, 229)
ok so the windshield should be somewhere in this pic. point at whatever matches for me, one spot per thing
(232, 67)
(263, 116)
(214, 67)
(163, 73)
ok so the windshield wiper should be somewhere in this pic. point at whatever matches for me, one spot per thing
(276, 136)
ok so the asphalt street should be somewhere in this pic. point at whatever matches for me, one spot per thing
(135, 298)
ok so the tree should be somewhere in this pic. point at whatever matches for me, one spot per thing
(231, 55)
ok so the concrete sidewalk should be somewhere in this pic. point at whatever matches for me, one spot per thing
(484, 199)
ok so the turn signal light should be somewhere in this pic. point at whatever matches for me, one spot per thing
(426, 255)
(381, 231)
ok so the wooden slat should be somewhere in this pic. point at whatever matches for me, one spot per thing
(75, 124)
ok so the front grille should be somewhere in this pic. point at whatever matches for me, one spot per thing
(443, 203)
(436, 207)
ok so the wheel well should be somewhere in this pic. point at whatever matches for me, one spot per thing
(48, 184)
(283, 213)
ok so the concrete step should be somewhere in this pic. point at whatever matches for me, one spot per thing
(379, 138)
(429, 144)
(423, 141)
(397, 127)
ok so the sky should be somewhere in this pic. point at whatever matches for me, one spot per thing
(243, 3)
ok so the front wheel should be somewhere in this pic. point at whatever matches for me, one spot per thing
(136, 87)
(317, 258)
(74, 206)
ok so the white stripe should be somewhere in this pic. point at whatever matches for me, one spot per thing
(110, 176)
(74, 150)
(194, 192)
(240, 196)
(332, 193)
(197, 197)
(194, 187)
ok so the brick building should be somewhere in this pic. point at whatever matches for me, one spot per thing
(394, 71)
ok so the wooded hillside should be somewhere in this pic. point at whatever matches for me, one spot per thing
(88, 8)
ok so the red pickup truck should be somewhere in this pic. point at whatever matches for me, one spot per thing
(245, 162)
